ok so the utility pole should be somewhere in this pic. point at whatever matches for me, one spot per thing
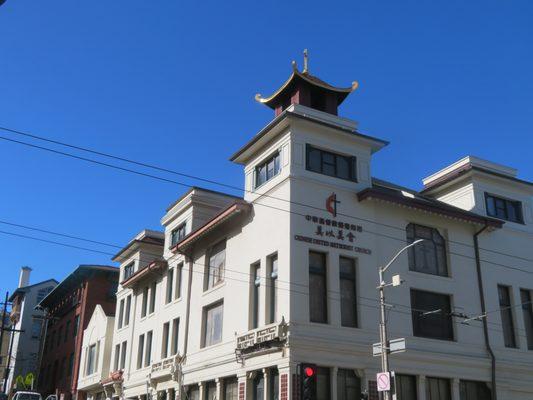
(3, 327)
(396, 281)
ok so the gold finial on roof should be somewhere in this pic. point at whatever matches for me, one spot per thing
(306, 61)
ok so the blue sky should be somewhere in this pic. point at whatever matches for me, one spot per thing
(173, 83)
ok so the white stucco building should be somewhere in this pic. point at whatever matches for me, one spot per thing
(96, 354)
(238, 291)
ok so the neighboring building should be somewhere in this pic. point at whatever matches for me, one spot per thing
(95, 354)
(28, 324)
(68, 309)
(4, 351)
(243, 290)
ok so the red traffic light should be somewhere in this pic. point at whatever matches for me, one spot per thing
(309, 372)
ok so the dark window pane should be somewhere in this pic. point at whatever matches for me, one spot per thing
(331, 164)
(428, 256)
(506, 313)
(348, 385)
(472, 390)
(405, 387)
(313, 159)
(323, 384)
(509, 210)
(258, 387)
(348, 292)
(438, 324)
(317, 288)
(438, 389)
(527, 311)
(343, 167)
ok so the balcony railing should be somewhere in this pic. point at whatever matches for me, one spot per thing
(165, 367)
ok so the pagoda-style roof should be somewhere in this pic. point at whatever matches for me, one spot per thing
(306, 89)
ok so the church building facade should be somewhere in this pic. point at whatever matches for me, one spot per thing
(238, 291)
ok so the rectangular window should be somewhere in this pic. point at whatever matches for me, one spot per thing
(405, 387)
(123, 355)
(210, 390)
(255, 282)
(323, 384)
(170, 284)
(153, 289)
(272, 289)
(91, 359)
(213, 318)
(273, 383)
(177, 234)
(438, 389)
(473, 390)
(331, 164)
(193, 393)
(128, 270)
(527, 311)
(230, 389)
(431, 315)
(67, 331)
(348, 385)
(179, 273)
(117, 358)
(144, 305)
(348, 292)
(175, 336)
(148, 354)
(267, 170)
(70, 364)
(59, 331)
(164, 342)
(76, 325)
(509, 210)
(140, 352)
(506, 312)
(429, 256)
(128, 310)
(121, 313)
(216, 265)
(36, 328)
(318, 292)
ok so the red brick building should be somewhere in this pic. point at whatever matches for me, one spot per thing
(69, 308)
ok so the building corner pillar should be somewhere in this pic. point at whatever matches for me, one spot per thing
(456, 393)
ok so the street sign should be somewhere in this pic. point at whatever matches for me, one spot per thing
(395, 346)
(383, 381)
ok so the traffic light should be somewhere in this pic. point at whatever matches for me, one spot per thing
(308, 381)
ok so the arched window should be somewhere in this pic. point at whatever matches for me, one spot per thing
(429, 256)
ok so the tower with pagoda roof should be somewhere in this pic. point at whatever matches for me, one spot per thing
(307, 90)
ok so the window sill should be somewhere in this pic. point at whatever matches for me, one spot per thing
(430, 276)
(214, 288)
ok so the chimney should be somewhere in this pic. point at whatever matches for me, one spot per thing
(24, 278)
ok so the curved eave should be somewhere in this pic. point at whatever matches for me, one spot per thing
(341, 92)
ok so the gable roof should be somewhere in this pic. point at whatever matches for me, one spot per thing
(391, 193)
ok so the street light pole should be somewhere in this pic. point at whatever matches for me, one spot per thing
(383, 322)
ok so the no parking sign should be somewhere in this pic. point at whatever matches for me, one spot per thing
(383, 381)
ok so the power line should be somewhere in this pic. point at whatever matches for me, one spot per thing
(260, 204)
(201, 179)
(290, 290)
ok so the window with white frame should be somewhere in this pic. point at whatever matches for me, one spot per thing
(527, 311)
(506, 313)
(148, 354)
(267, 169)
(170, 285)
(255, 283)
(179, 274)
(318, 291)
(216, 265)
(272, 289)
(348, 292)
(178, 234)
(128, 270)
(213, 321)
